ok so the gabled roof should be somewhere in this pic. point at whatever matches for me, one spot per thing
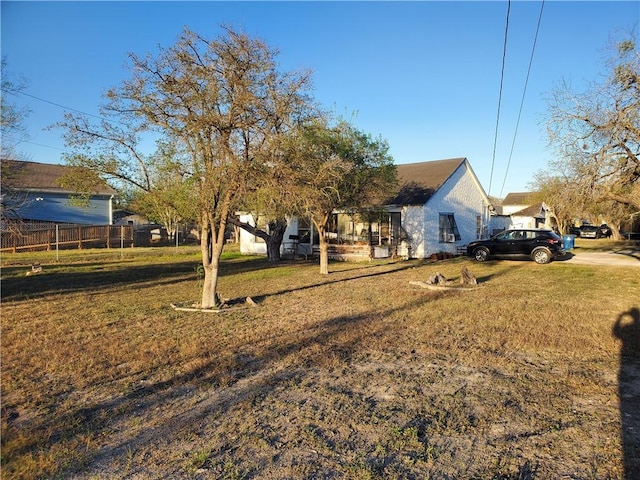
(419, 181)
(44, 177)
(518, 198)
(535, 211)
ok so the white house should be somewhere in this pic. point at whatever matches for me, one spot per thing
(440, 207)
(520, 210)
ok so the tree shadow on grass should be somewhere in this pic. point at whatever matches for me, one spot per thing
(17, 288)
(230, 378)
(627, 329)
(96, 275)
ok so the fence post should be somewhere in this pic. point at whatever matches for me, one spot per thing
(121, 241)
(177, 236)
(57, 241)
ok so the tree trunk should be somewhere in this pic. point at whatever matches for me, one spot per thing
(210, 272)
(324, 252)
(274, 239)
(211, 245)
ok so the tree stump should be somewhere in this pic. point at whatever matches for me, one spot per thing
(467, 278)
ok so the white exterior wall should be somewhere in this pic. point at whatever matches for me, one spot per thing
(509, 209)
(499, 223)
(522, 222)
(252, 245)
(412, 220)
(461, 195)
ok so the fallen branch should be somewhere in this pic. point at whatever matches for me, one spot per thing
(442, 287)
(226, 306)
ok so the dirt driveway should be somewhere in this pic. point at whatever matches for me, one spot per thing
(622, 258)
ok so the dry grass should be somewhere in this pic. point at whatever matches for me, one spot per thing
(354, 375)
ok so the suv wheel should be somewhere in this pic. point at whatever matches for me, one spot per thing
(481, 254)
(541, 255)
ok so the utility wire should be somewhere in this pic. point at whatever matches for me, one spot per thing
(504, 56)
(515, 133)
(18, 92)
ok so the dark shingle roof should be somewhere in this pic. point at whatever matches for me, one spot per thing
(536, 210)
(419, 181)
(34, 176)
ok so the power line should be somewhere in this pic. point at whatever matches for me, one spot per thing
(515, 133)
(43, 145)
(504, 56)
(19, 92)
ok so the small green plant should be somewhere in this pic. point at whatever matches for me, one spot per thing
(198, 459)
(199, 269)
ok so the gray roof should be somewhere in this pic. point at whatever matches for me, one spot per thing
(34, 176)
(419, 181)
(536, 210)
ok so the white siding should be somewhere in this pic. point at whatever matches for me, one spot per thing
(413, 223)
(252, 245)
(249, 244)
(461, 195)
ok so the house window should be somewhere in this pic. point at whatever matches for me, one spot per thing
(448, 229)
(478, 226)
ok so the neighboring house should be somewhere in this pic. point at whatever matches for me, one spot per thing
(127, 217)
(32, 192)
(520, 210)
(440, 207)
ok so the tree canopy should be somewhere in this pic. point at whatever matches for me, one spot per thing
(221, 101)
(337, 167)
(596, 134)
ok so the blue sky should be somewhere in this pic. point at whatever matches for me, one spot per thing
(423, 75)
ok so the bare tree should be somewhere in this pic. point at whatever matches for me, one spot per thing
(220, 101)
(12, 132)
(597, 133)
(12, 128)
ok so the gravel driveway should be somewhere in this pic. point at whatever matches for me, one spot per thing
(622, 258)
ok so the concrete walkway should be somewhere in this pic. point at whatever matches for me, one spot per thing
(622, 258)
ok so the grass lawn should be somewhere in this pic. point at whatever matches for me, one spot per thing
(356, 375)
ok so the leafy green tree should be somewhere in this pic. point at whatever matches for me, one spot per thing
(337, 167)
(171, 198)
(220, 101)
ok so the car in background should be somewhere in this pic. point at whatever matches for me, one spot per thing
(589, 231)
(540, 245)
(605, 231)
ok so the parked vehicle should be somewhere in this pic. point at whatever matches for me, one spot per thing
(605, 231)
(573, 230)
(589, 231)
(540, 245)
